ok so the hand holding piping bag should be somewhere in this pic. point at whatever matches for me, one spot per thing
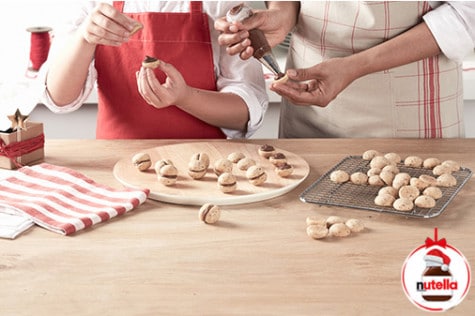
(236, 37)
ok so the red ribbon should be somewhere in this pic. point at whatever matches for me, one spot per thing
(40, 44)
(436, 242)
(18, 149)
(442, 243)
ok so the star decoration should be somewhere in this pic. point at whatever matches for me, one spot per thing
(18, 120)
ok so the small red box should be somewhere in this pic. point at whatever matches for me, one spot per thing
(24, 146)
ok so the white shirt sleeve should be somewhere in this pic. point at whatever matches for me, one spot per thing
(453, 26)
(234, 75)
(89, 85)
(246, 81)
(72, 19)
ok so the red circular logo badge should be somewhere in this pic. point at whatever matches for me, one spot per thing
(436, 276)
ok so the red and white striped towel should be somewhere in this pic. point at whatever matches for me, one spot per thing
(63, 200)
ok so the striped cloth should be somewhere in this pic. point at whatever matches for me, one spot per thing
(63, 200)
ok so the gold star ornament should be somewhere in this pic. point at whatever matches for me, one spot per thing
(18, 120)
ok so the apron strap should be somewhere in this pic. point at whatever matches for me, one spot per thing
(119, 5)
(196, 7)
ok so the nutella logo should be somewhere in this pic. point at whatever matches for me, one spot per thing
(434, 285)
(436, 276)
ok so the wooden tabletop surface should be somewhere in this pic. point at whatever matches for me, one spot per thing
(257, 260)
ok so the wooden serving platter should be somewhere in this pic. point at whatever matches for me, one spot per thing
(197, 192)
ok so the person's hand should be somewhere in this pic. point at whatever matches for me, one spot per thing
(317, 85)
(275, 23)
(107, 26)
(173, 91)
(234, 37)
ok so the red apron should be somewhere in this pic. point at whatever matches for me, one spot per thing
(181, 39)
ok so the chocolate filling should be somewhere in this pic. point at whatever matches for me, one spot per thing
(267, 148)
(227, 184)
(284, 166)
(279, 76)
(149, 59)
(257, 177)
(259, 43)
(278, 156)
(141, 162)
(206, 211)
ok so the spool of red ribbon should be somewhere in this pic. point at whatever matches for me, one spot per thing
(39, 46)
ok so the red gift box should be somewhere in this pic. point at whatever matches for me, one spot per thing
(22, 147)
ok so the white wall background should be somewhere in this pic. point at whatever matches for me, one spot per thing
(15, 18)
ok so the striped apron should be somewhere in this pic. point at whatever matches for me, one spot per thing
(423, 99)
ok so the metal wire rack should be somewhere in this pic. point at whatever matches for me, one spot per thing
(326, 192)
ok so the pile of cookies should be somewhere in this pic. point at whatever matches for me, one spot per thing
(336, 226)
(199, 164)
(400, 190)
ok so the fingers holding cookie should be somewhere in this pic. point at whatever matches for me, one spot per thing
(281, 78)
(284, 83)
(148, 85)
(173, 91)
(107, 26)
(150, 88)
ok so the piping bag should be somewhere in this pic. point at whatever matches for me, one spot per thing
(262, 50)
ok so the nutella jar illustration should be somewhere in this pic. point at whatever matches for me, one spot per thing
(262, 49)
(437, 283)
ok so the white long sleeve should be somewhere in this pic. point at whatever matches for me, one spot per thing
(452, 24)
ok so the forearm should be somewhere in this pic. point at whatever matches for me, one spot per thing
(225, 110)
(410, 46)
(68, 72)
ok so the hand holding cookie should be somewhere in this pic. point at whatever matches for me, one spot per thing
(174, 91)
(319, 84)
(283, 85)
(105, 25)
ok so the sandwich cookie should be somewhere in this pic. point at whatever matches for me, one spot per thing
(198, 165)
(142, 161)
(137, 27)
(266, 151)
(150, 62)
(284, 170)
(278, 159)
(256, 175)
(209, 213)
(167, 173)
(227, 182)
(222, 165)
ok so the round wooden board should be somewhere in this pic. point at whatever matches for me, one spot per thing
(197, 192)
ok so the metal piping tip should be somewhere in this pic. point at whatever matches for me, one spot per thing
(269, 61)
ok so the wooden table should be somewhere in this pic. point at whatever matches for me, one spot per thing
(161, 260)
